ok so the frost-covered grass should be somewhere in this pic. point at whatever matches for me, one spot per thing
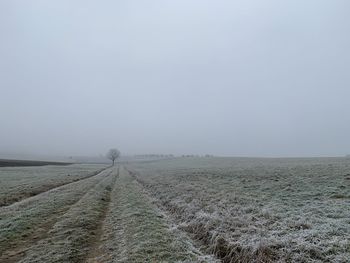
(17, 183)
(134, 231)
(240, 210)
(70, 238)
(20, 221)
(257, 210)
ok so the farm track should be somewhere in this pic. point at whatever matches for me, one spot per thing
(140, 214)
(134, 230)
(14, 246)
(95, 251)
(106, 218)
(43, 189)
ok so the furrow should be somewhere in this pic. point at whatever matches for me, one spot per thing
(95, 246)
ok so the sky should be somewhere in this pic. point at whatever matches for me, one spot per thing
(224, 77)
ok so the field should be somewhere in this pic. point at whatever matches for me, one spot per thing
(102, 217)
(178, 210)
(15, 163)
(17, 183)
(257, 210)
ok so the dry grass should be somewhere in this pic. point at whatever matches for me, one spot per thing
(258, 210)
(237, 210)
(70, 238)
(18, 183)
(20, 221)
(135, 232)
(104, 218)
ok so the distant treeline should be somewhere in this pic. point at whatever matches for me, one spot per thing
(14, 163)
(171, 155)
(194, 155)
(154, 156)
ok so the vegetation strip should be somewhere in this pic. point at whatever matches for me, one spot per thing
(26, 222)
(256, 211)
(95, 251)
(134, 231)
(215, 244)
(43, 188)
(70, 238)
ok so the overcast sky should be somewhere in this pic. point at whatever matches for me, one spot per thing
(241, 78)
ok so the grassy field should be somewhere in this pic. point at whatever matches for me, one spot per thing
(181, 210)
(102, 218)
(17, 183)
(16, 163)
(257, 210)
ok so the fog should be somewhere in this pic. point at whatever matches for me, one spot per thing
(230, 78)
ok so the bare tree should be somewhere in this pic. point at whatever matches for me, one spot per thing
(113, 154)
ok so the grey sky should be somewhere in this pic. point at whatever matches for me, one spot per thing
(248, 78)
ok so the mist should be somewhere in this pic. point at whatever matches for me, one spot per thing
(230, 78)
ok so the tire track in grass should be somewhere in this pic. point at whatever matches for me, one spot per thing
(73, 235)
(95, 251)
(27, 222)
(134, 231)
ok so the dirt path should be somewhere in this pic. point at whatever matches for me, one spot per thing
(111, 220)
(30, 221)
(133, 230)
(95, 244)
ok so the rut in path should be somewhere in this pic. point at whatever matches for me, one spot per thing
(95, 251)
(134, 231)
(16, 249)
